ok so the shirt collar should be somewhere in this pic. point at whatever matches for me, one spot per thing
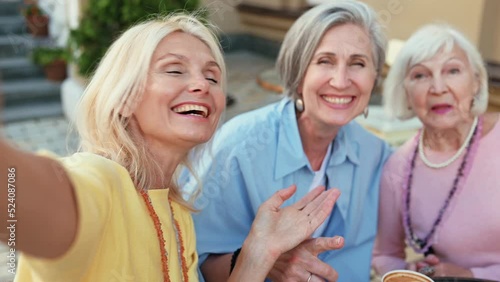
(290, 155)
(345, 147)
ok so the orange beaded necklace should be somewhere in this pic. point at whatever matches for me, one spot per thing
(161, 239)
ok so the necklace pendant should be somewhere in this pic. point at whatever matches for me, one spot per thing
(418, 243)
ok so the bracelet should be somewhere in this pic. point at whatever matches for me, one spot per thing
(233, 259)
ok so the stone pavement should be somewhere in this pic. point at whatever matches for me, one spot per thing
(51, 133)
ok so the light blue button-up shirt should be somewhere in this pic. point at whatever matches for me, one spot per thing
(259, 152)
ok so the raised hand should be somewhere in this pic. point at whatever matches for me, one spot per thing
(285, 228)
(277, 230)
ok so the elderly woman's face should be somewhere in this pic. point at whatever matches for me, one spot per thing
(183, 99)
(440, 90)
(338, 82)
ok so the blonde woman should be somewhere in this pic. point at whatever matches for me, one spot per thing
(114, 212)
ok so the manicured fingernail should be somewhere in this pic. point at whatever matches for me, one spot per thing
(339, 240)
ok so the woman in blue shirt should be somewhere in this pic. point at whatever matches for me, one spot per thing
(329, 62)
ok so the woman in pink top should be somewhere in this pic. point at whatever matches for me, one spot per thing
(440, 191)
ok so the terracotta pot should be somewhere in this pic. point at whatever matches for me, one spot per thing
(38, 25)
(55, 71)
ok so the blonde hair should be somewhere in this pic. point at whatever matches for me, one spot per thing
(117, 88)
(424, 44)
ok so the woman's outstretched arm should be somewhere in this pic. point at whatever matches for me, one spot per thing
(38, 210)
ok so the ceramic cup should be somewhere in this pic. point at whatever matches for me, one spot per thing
(405, 276)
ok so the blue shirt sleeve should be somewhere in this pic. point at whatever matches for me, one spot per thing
(223, 221)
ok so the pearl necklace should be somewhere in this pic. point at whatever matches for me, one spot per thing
(424, 245)
(454, 157)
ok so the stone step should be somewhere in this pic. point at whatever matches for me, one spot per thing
(30, 91)
(12, 25)
(19, 68)
(18, 45)
(10, 7)
(14, 45)
(31, 111)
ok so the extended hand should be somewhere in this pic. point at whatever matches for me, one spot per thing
(449, 269)
(277, 230)
(298, 263)
(285, 228)
(440, 269)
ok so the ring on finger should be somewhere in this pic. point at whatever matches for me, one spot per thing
(310, 276)
(427, 270)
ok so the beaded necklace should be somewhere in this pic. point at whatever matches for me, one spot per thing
(424, 245)
(161, 239)
(454, 157)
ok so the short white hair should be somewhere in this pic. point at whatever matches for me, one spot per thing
(424, 44)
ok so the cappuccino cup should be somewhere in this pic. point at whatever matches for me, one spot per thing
(405, 276)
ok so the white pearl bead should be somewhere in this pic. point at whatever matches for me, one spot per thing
(454, 157)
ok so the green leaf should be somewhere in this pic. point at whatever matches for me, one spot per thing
(44, 55)
(104, 20)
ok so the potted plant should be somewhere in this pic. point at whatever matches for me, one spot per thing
(36, 20)
(53, 60)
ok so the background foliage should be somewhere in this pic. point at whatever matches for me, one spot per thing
(104, 20)
(46, 55)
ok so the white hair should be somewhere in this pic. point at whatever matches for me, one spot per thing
(424, 44)
(306, 33)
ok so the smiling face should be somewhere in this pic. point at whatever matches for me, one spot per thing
(340, 77)
(440, 90)
(183, 99)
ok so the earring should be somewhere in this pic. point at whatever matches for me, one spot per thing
(474, 100)
(299, 105)
(365, 112)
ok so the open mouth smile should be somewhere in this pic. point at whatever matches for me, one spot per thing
(192, 109)
(338, 100)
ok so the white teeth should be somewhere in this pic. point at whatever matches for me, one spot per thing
(335, 100)
(191, 107)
